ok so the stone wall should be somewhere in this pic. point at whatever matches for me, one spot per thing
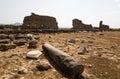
(77, 24)
(102, 26)
(39, 22)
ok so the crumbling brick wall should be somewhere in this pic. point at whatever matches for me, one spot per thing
(102, 26)
(39, 22)
(77, 24)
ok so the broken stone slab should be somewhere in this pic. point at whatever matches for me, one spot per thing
(20, 36)
(43, 66)
(62, 62)
(20, 42)
(4, 36)
(82, 50)
(5, 41)
(5, 47)
(34, 54)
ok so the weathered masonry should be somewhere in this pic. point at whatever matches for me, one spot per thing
(39, 22)
(77, 24)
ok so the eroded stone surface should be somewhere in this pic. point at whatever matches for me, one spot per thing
(102, 26)
(34, 54)
(77, 24)
(39, 22)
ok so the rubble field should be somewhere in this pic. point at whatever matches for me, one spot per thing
(99, 52)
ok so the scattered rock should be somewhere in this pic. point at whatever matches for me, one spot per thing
(37, 37)
(90, 66)
(50, 36)
(22, 70)
(12, 55)
(29, 36)
(113, 47)
(20, 42)
(5, 47)
(97, 54)
(22, 78)
(4, 36)
(99, 48)
(5, 41)
(20, 36)
(82, 50)
(5, 77)
(82, 41)
(101, 34)
(33, 44)
(43, 66)
(90, 41)
(71, 41)
(34, 54)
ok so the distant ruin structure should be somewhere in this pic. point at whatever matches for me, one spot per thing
(102, 26)
(39, 22)
(77, 24)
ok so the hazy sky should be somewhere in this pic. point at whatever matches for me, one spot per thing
(89, 11)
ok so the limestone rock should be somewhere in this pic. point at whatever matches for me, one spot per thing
(82, 50)
(43, 66)
(22, 70)
(29, 36)
(35, 54)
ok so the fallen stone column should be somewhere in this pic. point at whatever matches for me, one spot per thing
(62, 62)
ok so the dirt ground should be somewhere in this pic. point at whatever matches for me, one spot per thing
(101, 61)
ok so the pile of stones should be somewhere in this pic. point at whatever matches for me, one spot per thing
(11, 41)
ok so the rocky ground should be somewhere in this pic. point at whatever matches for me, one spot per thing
(99, 52)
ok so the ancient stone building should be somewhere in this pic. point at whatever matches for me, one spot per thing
(77, 24)
(39, 22)
(102, 26)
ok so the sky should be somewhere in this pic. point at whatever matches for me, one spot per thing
(89, 11)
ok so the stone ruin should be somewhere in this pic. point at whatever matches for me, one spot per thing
(77, 24)
(102, 26)
(39, 22)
